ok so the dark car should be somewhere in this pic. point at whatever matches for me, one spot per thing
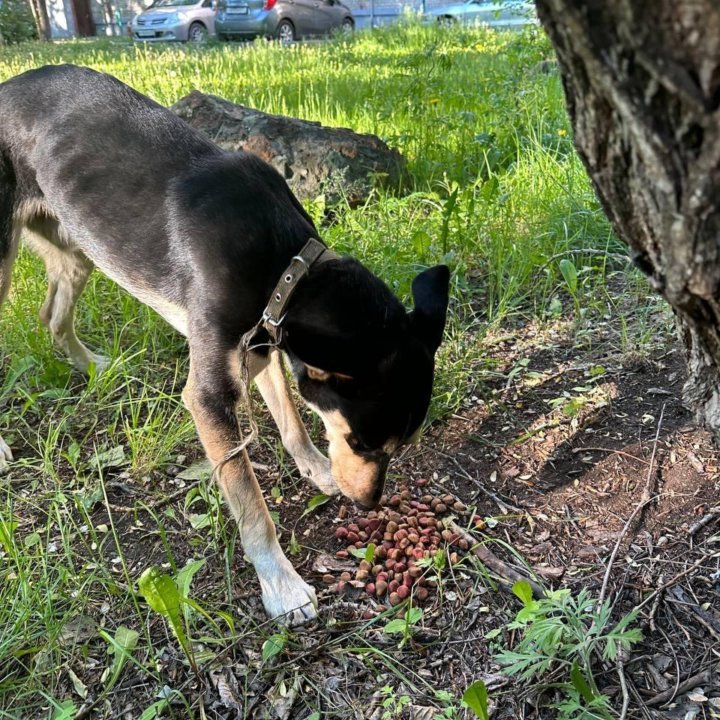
(285, 20)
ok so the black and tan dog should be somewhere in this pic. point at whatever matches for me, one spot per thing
(99, 175)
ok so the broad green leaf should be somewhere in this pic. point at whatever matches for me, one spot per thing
(185, 575)
(114, 457)
(370, 552)
(414, 615)
(569, 273)
(65, 711)
(155, 710)
(315, 502)
(580, 683)
(7, 528)
(161, 594)
(273, 645)
(395, 626)
(121, 647)
(476, 698)
(523, 590)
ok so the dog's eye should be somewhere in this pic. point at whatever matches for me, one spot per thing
(358, 445)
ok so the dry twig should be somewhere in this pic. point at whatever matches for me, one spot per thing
(498, 566)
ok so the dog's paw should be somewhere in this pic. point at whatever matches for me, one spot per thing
(288, 598)
(5, 456)
(318, 472)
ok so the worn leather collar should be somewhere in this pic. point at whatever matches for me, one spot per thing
(276, 310)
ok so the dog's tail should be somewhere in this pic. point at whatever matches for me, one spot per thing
(9, 234)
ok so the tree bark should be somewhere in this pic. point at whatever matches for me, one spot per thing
(42, 21)
(642, 85)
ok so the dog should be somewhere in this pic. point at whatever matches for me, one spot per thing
(98, 175)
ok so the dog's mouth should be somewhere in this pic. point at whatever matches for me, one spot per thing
(362, 482)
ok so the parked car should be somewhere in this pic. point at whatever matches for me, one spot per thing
(183, 20)
(495, 13)
(285, 20)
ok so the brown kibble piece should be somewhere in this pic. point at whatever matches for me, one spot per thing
(421, 593)
(370, 588)
(394, 501)
(329, 579)
(458, 506)
(362, 575)
(365, 565)
(395, 599)
(403, 591)
(342, 512)
(342, 554)
(341, 532)
(380, 588)
(345, 576)
(441, 508)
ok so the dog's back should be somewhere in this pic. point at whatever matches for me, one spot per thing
(131, 186)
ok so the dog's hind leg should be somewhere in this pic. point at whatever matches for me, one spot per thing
(9, 239)
(211, 395)
(311, 463)
(67, 271)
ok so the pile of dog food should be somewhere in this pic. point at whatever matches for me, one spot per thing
(404, 532)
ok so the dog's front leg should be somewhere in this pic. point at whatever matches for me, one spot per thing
(311, 463)
(211, 395)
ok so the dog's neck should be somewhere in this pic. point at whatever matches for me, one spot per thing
(311, 254)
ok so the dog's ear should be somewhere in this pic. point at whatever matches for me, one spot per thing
(323, 375)
(430, 293)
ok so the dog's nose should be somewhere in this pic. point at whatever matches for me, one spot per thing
(371, 501)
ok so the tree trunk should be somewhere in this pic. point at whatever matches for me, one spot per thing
(642, 84)
(42, 21)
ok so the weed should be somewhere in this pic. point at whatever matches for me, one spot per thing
(562, 637)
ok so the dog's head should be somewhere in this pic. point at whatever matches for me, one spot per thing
(365, 365)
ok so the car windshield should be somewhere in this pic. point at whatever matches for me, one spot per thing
(173, 3)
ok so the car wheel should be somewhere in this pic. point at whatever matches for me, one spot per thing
(285, 32)
(197, 33)
(446, 21)
(347, 25)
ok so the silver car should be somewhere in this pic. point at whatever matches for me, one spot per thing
(183, 20)
(285, 20)
(494, 13)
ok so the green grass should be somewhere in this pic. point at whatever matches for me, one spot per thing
(497, 193)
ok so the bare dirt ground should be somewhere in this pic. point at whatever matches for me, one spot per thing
(565, 449)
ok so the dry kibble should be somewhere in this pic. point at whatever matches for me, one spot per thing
(403, 591)
(345, 576)
(368, 614)
(391, 527)
(394, 501)
(458, 506)
(454, 558)
(363, 535)
(441, 508)
(341, 532)
(405, 495)
(362, 575)
(376, 570)
(400, 567)
(381, 553)
(448, 499)
(427, 499)
(421, 593)
(414, 538)
(329, 579)
(381, 588)
(390, 563)
(342, 554)
(395, 599)
(365, 565)
(342, 512)
(393, 586)
(352, 536)
(362, 523)
(463, 544)
(422, 482)
(414, 571)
